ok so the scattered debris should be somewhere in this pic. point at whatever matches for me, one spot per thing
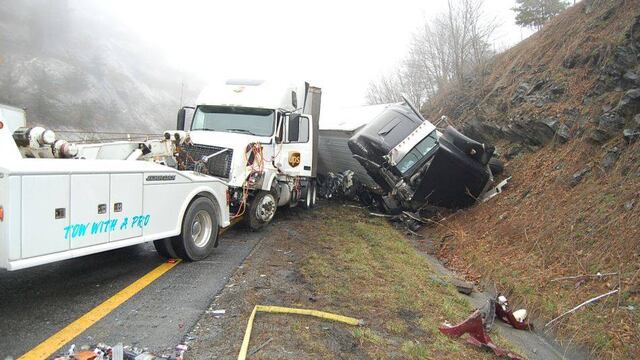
(85, 355)
(581, 305)
(496, 190)
(216, 313)
(513, 318)
(118, 352)
(475, 327)
(340, 185)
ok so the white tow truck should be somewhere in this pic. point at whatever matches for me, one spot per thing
(260, 137)
(53, 209)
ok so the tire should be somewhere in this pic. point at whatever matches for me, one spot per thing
(496, 166)
(310, 195)
(261, 210)
(314, 197)
(164, 247)
(199, 231)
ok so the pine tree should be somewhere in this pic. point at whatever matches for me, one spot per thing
(535, 13)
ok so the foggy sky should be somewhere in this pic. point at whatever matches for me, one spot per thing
(338, 45)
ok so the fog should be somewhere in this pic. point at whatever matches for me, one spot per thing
(131, 64)
(340, 46)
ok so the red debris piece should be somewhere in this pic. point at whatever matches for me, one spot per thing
(505, 314)
(474, 326)
(172, 261)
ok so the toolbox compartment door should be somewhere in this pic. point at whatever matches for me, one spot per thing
(89, 209)
(126, 206)
(45, 214)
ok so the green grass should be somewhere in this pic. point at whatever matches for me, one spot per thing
(366, 268)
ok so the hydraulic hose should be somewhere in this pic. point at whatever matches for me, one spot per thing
(285, 310)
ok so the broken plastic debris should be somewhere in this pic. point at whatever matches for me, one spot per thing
(102, 351)
(117, 352)
(504, 313)
(496, 190)
(217, 313)
(520, 315)
(474, 326)
(85, 355)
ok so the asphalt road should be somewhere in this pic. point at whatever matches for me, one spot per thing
(36, 303)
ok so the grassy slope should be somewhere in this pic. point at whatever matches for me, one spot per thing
(364, 266)
(542, 228)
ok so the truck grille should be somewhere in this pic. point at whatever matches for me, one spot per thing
(219, 165)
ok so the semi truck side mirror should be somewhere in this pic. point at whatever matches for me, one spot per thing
(181, 116)
(294, 99)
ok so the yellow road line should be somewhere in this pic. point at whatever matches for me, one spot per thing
(71, 331)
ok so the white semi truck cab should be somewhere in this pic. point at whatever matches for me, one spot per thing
(260, 138)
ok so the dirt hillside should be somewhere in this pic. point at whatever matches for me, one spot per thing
(563, 108)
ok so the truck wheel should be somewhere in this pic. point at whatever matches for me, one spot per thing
(314, 197)
(164, 248)
(261, 210)
(310, 195)
(199, 231)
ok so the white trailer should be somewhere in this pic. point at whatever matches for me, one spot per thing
(55, 209)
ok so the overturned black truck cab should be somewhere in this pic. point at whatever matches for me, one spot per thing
(416, 165)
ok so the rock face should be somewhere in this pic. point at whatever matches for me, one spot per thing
(568, 81)
(541, 93)
(609, 125)
(527, 131)
(610, 159)
(578, 176)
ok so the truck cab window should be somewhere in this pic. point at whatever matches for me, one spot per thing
(252, 121)
(299, 130)
(423, 149)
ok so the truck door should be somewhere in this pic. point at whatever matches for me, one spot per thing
(296, 156)
(126, 206)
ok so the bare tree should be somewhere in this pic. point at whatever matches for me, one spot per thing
(387, 89)
(445, 50)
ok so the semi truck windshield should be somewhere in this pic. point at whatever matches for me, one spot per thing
(234, 119)
(424, 148)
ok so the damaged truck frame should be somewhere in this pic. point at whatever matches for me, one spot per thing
(402, 162)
